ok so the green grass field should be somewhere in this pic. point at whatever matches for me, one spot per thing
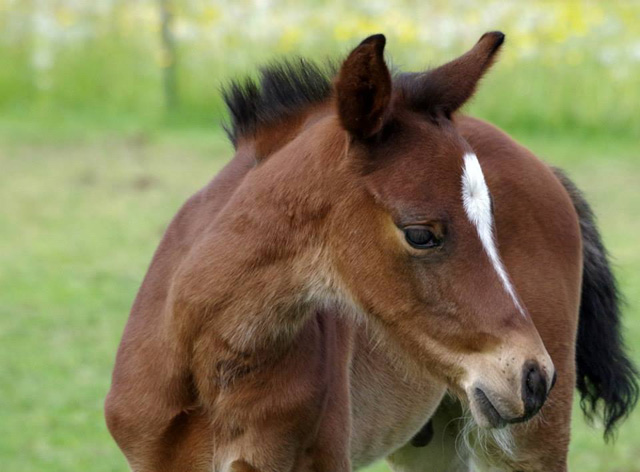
(80, 220)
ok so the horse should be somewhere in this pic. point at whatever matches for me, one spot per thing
(370, 267)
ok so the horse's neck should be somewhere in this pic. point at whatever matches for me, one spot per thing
(269, 139)
(259, 270)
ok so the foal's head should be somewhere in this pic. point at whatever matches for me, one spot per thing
(408, 231)
(417, 251)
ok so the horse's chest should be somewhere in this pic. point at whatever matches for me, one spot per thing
(387, 409)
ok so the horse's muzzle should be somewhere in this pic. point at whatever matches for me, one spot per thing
(495, 410)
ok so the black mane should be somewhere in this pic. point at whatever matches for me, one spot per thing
(281, 90)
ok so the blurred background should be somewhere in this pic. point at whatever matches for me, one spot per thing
(110, 115)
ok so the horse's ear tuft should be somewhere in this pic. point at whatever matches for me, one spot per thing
(448, 87)
(363, 88)
(495, 39)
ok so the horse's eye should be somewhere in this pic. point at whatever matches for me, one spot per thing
(421, 237)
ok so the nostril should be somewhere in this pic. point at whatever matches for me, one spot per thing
(553, 380)
(534, 388)
(533, 380)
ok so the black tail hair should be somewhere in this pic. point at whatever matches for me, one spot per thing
(606, 378)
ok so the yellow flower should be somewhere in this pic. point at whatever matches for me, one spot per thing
(64, 17)
(210, 15)
(290, 38)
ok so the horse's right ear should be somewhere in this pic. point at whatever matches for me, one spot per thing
(363, 88)
(446, 88)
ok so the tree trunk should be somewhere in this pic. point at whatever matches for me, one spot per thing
(169, 58)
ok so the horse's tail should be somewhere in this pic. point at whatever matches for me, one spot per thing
(606, 378)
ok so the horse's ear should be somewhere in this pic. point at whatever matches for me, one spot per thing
(363, 88)
(448, 87)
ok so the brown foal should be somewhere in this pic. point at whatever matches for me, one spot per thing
(366, 251)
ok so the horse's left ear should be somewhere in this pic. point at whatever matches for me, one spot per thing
(363, 88)
(448, 87)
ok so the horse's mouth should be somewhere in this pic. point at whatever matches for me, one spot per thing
(490, 412)
(492, 416)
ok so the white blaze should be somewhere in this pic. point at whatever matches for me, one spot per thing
(477, 205)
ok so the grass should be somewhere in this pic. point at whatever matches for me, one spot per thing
(80, 220)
